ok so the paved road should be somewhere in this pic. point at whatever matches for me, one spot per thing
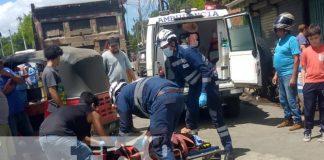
(255, 136)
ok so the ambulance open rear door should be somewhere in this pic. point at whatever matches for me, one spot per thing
(244, 58)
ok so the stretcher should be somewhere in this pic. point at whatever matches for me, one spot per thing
(212, 153)
(185, 148)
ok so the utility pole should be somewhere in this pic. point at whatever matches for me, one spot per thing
(141, 21)
(22, 32)
(1, 44)
(12, 47)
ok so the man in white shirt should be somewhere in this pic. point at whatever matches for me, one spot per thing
(116, 63)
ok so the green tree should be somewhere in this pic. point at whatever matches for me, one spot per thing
(6, 46)
(176, 5)
(26, 28)
(154, 13)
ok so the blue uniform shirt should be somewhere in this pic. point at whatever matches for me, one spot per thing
(190, 66)
(17, 99)
(125, 98)
(285, 50)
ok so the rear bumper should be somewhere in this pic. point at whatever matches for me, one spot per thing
(230, 92)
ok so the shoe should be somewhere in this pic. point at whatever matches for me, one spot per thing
(296, 126)
(321, 139)
(285, 123)
(186, 130)
(229, 156)
(307, 137)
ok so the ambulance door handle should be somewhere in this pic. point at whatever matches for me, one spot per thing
(254, 53)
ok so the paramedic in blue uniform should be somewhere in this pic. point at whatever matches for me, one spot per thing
(155, 98)
(192, 67)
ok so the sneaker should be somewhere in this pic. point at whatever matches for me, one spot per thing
(296, 126)
(285, 123)
(321, 139)
(307, 137)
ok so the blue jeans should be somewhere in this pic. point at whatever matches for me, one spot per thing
(57, 147)
(19, 122)
(288, 99)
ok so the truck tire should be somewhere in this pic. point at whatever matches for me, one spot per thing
(232, 108)
(268, 90)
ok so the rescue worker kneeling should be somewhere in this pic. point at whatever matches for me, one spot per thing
(155, 98)
(66, 132)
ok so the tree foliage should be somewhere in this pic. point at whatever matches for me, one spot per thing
(24, 28)
(176, 5)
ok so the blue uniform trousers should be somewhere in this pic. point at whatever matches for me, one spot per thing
(167, 110)
(215, 112)
(164, 116)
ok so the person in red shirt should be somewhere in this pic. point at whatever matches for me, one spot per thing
(312, 61)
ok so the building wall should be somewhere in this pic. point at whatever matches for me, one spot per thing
(264, 13)
(294, 7)
(268, 15)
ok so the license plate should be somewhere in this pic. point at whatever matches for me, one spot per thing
(234, 91)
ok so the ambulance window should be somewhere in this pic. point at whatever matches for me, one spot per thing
(240, 33)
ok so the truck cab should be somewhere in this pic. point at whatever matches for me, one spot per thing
(227, 40)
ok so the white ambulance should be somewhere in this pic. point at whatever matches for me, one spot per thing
(226, 40)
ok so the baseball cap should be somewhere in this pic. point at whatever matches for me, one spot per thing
(113, 41)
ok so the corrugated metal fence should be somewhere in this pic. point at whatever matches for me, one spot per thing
(317, 12)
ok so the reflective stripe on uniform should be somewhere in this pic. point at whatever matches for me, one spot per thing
(206, 80)
(178, 62)
(224, 134)
(190, 76)
(205, 60)
(221, 129)
(138, 95)
(195, 80)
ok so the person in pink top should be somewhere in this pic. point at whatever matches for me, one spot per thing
(312, 61)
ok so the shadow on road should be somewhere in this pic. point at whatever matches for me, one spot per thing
(250, 113)
(238, 152)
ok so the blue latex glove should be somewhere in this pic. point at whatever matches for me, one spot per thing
(203, 100)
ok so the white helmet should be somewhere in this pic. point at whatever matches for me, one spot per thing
(164, 37)
(284, 21)
(114, 90)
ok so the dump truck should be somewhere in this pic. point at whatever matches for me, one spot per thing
(81, 25)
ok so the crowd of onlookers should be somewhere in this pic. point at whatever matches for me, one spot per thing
(13, 92)
(304, 54)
